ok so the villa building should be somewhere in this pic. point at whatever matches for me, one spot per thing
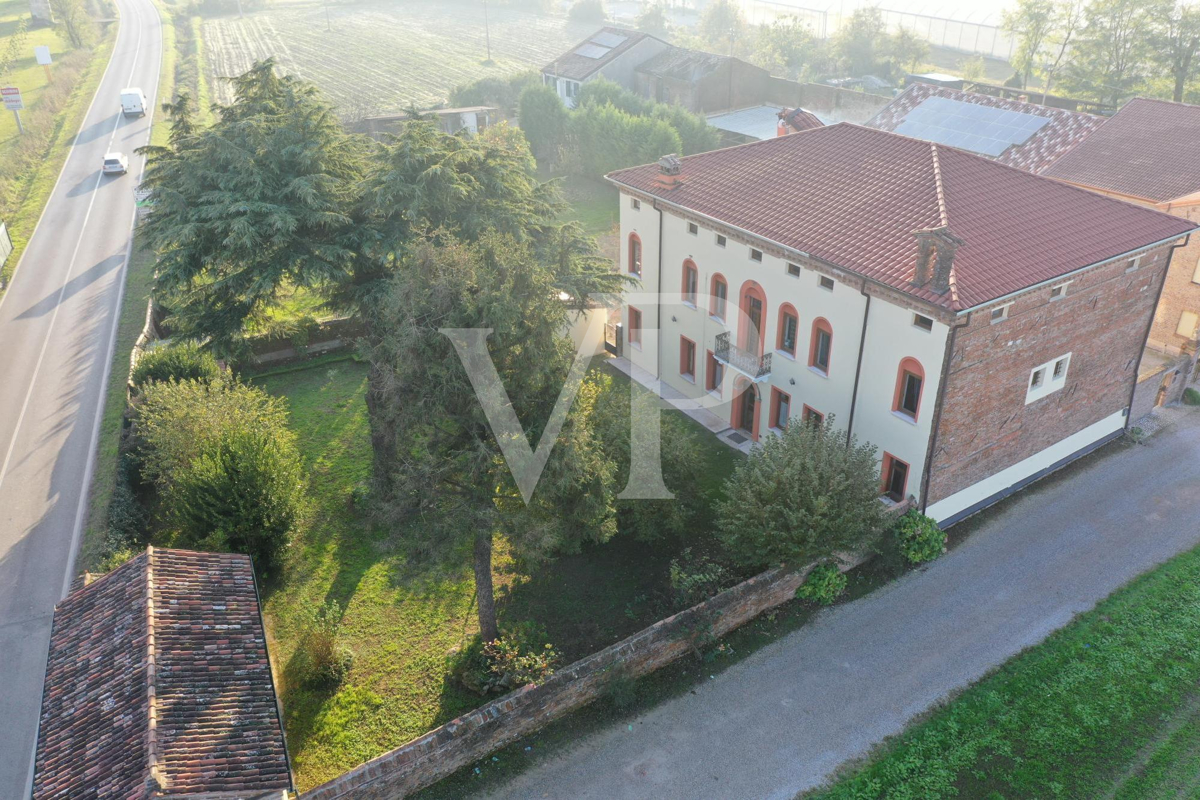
(978, 324)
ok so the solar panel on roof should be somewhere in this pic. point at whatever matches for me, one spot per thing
(589, 50)
(608, 39)
(974, 127)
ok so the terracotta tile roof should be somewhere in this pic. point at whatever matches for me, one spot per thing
(577, 67)
(1064, 129)
(1148, 149)
(854, 197)
(797, 119)
(158, 685)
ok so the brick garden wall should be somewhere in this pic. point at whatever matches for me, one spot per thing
(1102, 321)
(426, 760)
(842, 105)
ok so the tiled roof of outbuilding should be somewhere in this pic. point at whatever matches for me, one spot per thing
(158, 684)
(1064, 130)
(1148, 149)
(854, 197)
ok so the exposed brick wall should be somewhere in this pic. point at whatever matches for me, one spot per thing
(1179, 294)
(442, 751)
(985, 425)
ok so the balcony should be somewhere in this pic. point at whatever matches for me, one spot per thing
(754, 367)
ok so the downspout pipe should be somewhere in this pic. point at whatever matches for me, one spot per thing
(1150, 326)
(927, 471)
(862, 341)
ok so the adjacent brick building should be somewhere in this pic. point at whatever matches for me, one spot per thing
(979, 324)
(158, 685)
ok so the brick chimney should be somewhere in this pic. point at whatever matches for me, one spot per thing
(669, 169)
(935, 258)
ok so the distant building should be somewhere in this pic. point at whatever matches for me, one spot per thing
(936, 79)
(158, 684)
(701, 82)
(611, 53)
(979, 324)
(472, 119)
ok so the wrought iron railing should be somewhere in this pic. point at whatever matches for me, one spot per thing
(749, 364)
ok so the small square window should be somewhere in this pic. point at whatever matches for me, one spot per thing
(1058, 292)
(635, 204)
(922, 322)
(1039, 376)
(1132, 265)
(720, 240)
(827, 283)
(693, 228)
(1000, 314)
(755, 255)
(1060, 368)
(794, 270)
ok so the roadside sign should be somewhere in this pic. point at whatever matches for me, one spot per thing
(141, 197)
(42, 54)
(12, 98)
(6, 245)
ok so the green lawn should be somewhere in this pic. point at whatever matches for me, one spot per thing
(404, 617)
(592, 202)
(1108, 704)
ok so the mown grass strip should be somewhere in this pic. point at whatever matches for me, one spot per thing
(1067, 717)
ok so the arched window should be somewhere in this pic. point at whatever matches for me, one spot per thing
(789, 329)
(752, 326)
(718, 296)
(910, 381)
(820, 350)
(690, 282)
(635, 254)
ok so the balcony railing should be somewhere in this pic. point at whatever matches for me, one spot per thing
(753, 366)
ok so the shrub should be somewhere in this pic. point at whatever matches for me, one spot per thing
(801, 497)
(588, 11)
(1191, 397)
(503, 93)
(695, 578)
(519, 657)
(824, 584)
(918, 538)
(178, 362)
(325, 659)
(543, 119)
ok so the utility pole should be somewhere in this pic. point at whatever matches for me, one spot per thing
(487, 33)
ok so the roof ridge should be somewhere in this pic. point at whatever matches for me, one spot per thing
(153, 770)
(939, 187)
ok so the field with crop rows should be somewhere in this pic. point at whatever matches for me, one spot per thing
(385, 56)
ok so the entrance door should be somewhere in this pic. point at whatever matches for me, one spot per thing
(754, 315)
(749, 410)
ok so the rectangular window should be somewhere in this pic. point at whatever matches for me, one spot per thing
(755, 255)
(689, 284)
(910, 395)
(635, 254)
(922, 322)
(788, 333)
(635, 204)
(687, 358)
(1132, 265)
(1058, 292)
(781, 408)
(635, 327)
(1196, 272)
(1047, 378)
(895, 478)
(826, 283)
(1039, 376)
(821, 351)
(720, 240)
(1000, 314)
(714, 373)
(794, 270)
(813, 416)
(693, 228)
(720, 292)
(1060, 368)
(1187, 324)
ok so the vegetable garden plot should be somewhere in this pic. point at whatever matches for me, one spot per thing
(384, 57)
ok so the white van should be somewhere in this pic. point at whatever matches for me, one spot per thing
(133, 102)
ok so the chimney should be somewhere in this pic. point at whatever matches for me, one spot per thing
(935, 258)
(669, 169)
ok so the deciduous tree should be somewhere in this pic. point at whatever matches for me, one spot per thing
(1031, 22)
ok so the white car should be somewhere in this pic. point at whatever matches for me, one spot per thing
(115, 164)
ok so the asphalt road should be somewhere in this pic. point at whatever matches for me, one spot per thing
(782, 720)
(57, 324)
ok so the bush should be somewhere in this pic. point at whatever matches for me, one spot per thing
(543, 120)
(588, 11)
(1191, 397)
(520, 657)
(695, 578)
(178, 362)
(824, 584)
(326, 661)
(503, 93)
(604, 138)
(918, 538)
(695, 134)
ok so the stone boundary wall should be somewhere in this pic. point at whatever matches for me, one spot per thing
(842, 105)
(439, 753)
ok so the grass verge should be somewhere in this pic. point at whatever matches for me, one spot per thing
(1102, 705)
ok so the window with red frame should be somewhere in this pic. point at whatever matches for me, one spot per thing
(810, 414)
(714, 373)
(720, 297)
(789, 330)
(635, 327)
(822, 346)
(687, 358)
(895, 478)
(690, 281)
(635, 254)
(908, 389)
(781, 408)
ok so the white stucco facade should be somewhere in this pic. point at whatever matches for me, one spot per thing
(890, 335)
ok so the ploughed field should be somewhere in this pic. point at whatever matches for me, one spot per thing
(382, 57)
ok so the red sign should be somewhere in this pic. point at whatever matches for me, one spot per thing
(12, 98)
